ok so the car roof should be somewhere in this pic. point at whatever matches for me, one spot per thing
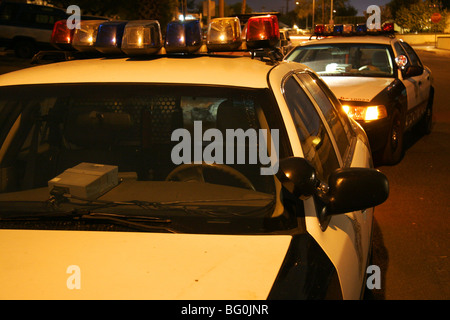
(206, 70)
(356, 39)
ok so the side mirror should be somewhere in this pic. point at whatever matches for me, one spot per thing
(401, 61)
(298, 176)
(353, 189)
(348, 189)
(413, 71)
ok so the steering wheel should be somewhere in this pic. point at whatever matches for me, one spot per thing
(194, 172)
(369, 67)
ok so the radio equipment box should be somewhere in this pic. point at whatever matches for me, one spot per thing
(86, 180)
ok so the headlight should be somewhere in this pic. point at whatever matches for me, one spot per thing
(367, 113)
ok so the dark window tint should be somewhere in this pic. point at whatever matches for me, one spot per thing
(314, 138)
(328, 111)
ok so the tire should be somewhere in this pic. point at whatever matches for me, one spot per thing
(25, 49)
(425, 124)
(393, 151)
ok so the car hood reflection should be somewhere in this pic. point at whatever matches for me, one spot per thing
(362, 89)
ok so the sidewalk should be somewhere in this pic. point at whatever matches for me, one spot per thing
(432, 49)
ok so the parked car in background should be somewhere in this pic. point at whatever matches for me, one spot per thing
(381, 83)
(27, 28)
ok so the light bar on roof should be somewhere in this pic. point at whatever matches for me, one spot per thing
(142, 37)
(319, 30)
(348, 29)
(328, 29)
(262, 32)
(84, 37)
(388, 27)
(338, 29)
(109, 37)
(361, 29)
(183, 36)
(62, 36)
(224, 34)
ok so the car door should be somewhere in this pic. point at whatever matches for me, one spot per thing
(346, 237)
(423, 79)
(415, 85)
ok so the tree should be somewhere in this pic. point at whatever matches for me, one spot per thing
(163, 11)
(417, 16)
(396, 5)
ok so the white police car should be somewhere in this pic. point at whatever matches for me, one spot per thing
(110, 188)
(380, 81)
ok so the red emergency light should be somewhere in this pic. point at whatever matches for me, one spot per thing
(262, 32)
(62, 36)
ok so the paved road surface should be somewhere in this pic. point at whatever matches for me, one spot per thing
(412, 234)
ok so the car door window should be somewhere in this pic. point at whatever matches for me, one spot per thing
(328, 111)
(9, 12)
(316, 143)
(415, 61)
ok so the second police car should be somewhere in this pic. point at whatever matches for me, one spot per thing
(379, 79)
(103, 197)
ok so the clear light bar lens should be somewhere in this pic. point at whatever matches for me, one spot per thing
(224, 34)
(142, 37)
(84, 37)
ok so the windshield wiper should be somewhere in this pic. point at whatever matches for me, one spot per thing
(63, 206)
(45, 210)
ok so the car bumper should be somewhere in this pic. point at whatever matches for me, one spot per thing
(377, 131)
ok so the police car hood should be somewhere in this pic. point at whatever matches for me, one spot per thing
(356, 88)
(39, 264)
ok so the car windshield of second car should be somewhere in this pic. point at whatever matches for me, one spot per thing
(150, 132)
(371, 60)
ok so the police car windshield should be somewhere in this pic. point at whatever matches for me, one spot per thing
(159, 136)
(348, 59)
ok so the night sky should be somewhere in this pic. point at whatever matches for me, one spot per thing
(277, 5)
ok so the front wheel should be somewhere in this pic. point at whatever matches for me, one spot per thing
(393, 150)
(24, 49)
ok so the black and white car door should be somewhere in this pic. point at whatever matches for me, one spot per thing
(417, 85)
(316, 130)
(424, 78)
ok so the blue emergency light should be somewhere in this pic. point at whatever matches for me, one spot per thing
(361, 29)
(183, 36)
(109, 37)
(338, 29)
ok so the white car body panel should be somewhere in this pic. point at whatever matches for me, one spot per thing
(39, 35)
(161, 70)
(362, 89)
(128, 265)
